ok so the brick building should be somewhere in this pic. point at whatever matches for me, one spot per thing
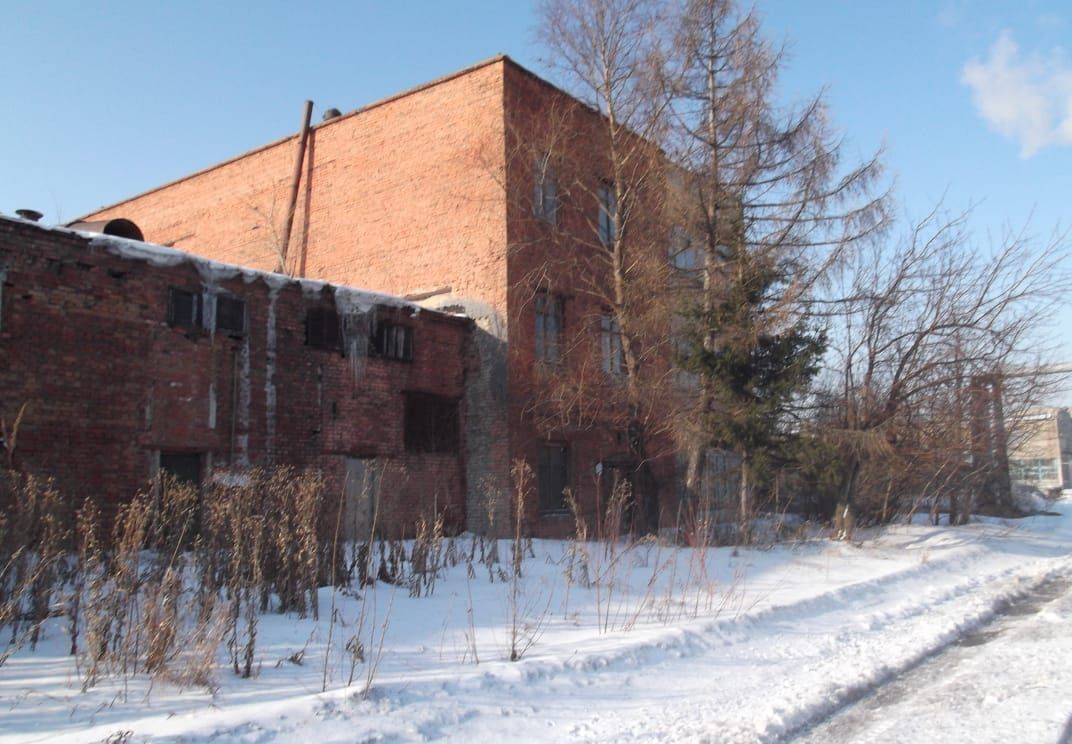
(132, 357)
(1043, 454)
(440, 194)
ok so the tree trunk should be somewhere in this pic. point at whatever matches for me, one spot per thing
(744, 505)
(844, 521)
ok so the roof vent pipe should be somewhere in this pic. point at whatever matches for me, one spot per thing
(119, 227)
(29, 214)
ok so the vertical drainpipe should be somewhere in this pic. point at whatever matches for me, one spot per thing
(295, 182)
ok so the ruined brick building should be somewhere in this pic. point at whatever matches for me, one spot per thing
(431, 195)
(130, 358)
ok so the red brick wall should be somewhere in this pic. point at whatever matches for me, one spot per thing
(428, 189)
(573, 402)
(402, 195)
(85, 342)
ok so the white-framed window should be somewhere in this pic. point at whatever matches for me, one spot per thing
(545, 195)
(1033, 469)
(610, 341)
(548, 332)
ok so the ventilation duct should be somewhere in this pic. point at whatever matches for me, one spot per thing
(119, 227)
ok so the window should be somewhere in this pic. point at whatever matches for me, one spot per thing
(393, 341)
(184, 466)
(431, 423)
(1033, 470)
(610, 338)
(552, 476)
(684, 256)
(184, 308)
(545, 198)
(608, 210)
(548, 327)
(682, 344)
(230, 314)
(322, 329)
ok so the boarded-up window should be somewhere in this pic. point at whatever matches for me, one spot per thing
(230, 314)
(322, 329)
(184, 308)
(552, 476)
(393, 341)
(431, 423)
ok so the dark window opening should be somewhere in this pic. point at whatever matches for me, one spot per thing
(184, 466)
(431, 423)
(322, 329)
(230, 314)
(548, 327)
(552, 477)
(184, 308)
(393, 342)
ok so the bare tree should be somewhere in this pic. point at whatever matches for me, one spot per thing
(771, 208)
(610, 53)
(933, 350)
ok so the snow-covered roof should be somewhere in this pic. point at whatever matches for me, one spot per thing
(346, 297)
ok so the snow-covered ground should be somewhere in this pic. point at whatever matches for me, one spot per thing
(668, 645)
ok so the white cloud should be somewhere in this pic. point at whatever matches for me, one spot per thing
(1027, 98)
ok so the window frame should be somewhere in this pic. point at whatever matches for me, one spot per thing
(610, 341)
(168, 459)
(608, 212)
(323, 328)
(685, 256)
(392, 341)
(240, 301)
(196, 308)
(548, 325)
(431, 424)
(545, 192)
(548, 501)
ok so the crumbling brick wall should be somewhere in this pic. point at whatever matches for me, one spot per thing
(111, 381)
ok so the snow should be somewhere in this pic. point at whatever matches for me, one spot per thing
(670, 644)
(212, 272)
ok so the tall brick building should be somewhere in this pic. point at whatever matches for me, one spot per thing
(435, 195)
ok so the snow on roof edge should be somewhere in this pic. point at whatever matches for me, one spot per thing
(163, 256)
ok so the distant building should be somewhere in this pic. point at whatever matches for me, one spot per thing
(1043, 458)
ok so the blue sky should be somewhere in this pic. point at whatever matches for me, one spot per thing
(972, 100)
